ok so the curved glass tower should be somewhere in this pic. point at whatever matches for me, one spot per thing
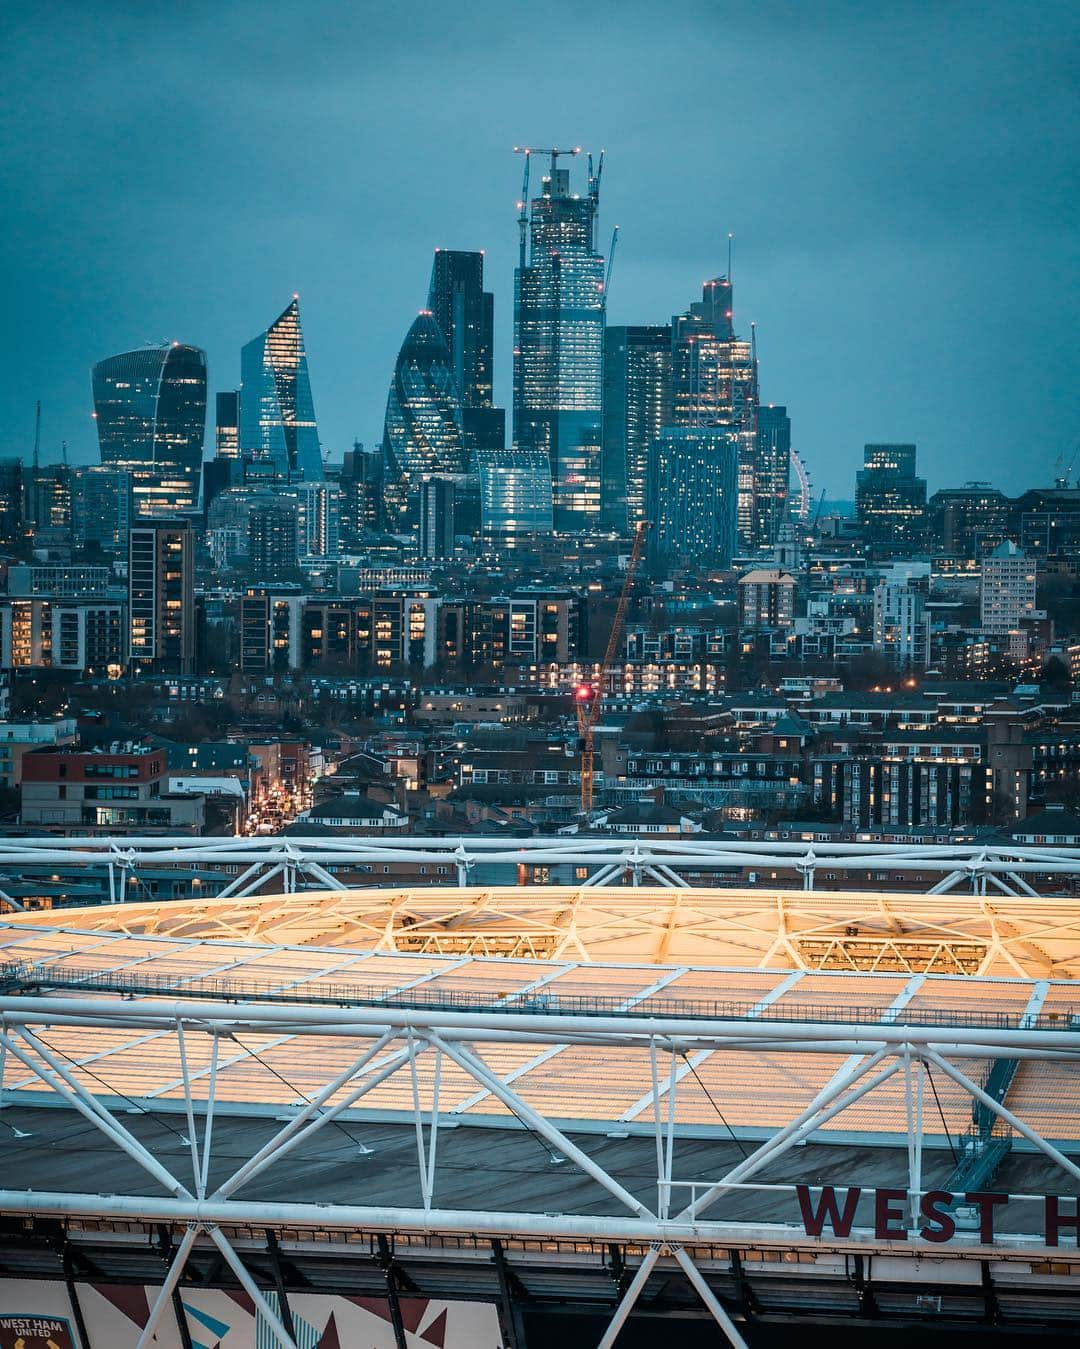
(277, 414)
(150, 408)
(422, 434)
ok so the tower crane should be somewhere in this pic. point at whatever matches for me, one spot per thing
(589, 698)
(553, 152)
(610, 263)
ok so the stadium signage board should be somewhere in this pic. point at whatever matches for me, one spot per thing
(35, 1332)
(831, 1214)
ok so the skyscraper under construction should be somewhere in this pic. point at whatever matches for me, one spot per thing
(559, 340)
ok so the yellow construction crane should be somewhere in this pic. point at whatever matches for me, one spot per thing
(589, 698)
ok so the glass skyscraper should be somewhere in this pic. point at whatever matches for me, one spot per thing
(890, 500)
(465, 312)
(637, 405)
(150, 408)
(558, 347)
(714, 383)
(278, 431)
(422, 433)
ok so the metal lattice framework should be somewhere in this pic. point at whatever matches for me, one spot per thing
(953, 933)
(432, 1048)
(295, 862)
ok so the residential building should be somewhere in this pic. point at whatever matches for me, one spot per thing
(767, 599)
(101, 506)
(273, 544)
(772, 472)
(122, 790)
(693, 495)
(318, 518)
(161, 598)
(150, 409)
(558, 344)
(1006, 589)
(435, 533)
(20, 738)
(902, 622)
(88, 636)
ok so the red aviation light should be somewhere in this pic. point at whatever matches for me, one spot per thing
(583, 692)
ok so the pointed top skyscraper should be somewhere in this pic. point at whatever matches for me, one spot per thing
(278, 431)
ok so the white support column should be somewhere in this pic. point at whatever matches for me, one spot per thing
(479, 1070)
(164, 1297)
(1007, 1115)
(91, 1108)
(630, 1297)
(198, 1179)
(252, 1289)
(722, 1319)
(1021, 885)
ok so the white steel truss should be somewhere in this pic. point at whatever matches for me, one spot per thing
(383, 1041)
(981, 868)
(956, 933)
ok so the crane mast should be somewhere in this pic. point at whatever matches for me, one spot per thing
(588, 699)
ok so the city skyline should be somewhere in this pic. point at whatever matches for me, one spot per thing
(896, 245)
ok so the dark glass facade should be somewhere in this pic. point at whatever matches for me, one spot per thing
(692, 497)
(890, 500)
(465, 313)
(150, 408)
(515, 495)
(161, 598)
(558, 347)
(278, 431)
(772, 473)
(422, 433)
(637, 405)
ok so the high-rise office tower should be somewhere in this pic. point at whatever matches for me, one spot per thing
(890, 500)
(558, 345)
(692, 498)
(278, 431)
(161, 597)
(422, 433)
(361, 492)
(100, 507)
(227, 424)
(48, 502)
(772, 473)
(465, 312)
(150, 408)
(637, 406)
(435, 535)
(714, 382)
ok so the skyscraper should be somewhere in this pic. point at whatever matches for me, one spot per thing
(161, 598)
(772, 472)
(890, 500)
(150, 408)
(273, 540)
(465, 312)
(558, 346)
(436, 528)
(11, 502)
(692, 497)
(637, 405)
(714, 382)
(968, 521)
(422, 433)
(278, 431)
(318, 518)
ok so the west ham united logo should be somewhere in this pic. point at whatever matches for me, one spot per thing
(36, 1332)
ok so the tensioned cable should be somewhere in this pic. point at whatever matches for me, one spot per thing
(737, 1141)
(948, 1136)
